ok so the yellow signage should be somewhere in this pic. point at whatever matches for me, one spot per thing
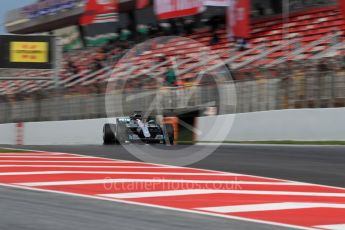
(29, 52)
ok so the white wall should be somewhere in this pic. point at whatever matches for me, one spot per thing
(302, 125)
(81, 132)
(77, 132)
(8, 134)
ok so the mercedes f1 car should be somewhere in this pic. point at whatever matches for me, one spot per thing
(135, 129)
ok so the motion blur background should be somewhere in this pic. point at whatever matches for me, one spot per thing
(281, 54)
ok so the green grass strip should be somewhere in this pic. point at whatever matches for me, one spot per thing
(12, 151)
(283, 142)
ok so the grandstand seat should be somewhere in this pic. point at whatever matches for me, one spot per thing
(308, 26)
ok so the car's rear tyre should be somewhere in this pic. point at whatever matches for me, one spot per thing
(109, 134)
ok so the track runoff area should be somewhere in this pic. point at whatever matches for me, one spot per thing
(235, 196)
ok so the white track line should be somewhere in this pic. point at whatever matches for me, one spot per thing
(134, 195)
(51, 157)
(54, 161)
(332, 227)
(210, 191)
(115, 173)
(29, 154)
(104, 181)
(32, 154)
(270, 207)
(84, 166)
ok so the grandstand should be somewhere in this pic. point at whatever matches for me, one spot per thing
(307, 35)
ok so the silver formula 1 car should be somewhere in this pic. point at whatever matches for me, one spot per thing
(136, 129)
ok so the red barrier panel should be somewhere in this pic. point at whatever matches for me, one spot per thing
(20, 133)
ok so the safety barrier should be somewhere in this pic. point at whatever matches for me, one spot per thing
(278, 125)
(295, 124)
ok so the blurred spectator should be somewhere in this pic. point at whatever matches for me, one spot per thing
(170, 74)
(165, 28)
(100, 55)
(97, 65)
(153, 30)
(107, 48)
(215, 23)
(171, 77)
(260, 9)
(176, 25)
(72, 68)
(215, 39)
(142, 32)
(189, 26)
(242, 44)
(125, 35)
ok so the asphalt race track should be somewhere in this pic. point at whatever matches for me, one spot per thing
(44, 211)
(23, 209)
